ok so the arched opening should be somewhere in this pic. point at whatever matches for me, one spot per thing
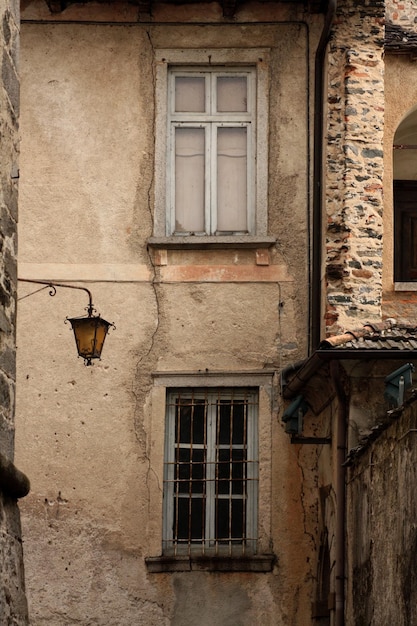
(405, 199)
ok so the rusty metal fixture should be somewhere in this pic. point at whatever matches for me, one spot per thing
(90, 331)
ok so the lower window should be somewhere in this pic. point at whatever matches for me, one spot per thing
(211, 472)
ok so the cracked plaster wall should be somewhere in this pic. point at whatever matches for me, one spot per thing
(96, 435)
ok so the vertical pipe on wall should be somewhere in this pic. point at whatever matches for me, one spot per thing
(342, 416)
(315, 296)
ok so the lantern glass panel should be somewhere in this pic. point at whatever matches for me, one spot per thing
(90, 333)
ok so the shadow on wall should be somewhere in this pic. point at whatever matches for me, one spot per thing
(206, 599)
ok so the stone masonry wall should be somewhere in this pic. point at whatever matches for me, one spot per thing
(402, 13)
(354, 167)
(13, 606)
(382, 510)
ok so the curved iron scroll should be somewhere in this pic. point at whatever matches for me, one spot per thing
(52, 286)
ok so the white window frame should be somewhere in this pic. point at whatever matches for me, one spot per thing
(210, 545)
(211, 121)
(231, 60)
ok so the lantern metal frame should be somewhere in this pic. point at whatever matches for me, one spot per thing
(90, 331)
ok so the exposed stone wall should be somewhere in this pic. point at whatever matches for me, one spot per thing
(13, 606)
(9, 95)
(382, 538)
(354, 167)
(402, 13)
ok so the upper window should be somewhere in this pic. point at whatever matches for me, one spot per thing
(211, 157)
(405, 200)
(211, 146)
(405, 230)
(211, 472)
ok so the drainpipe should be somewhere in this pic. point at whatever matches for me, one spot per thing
(315, 296)
(342, 417)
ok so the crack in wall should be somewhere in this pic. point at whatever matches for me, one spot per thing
(141, 387)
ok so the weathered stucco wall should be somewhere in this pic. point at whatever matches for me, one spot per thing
(92, 439)
(381, 520)
(13, 605)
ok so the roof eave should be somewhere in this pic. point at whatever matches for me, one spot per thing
(317, 360)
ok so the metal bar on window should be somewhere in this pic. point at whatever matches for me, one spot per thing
(177, 474)
(245, 476)
(231, 413)
(210, 471)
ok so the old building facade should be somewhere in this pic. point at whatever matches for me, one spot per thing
(219, 176)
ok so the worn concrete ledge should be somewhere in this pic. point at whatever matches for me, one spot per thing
(410, 286)
(255, 563)
(13, 483)
(212, 242)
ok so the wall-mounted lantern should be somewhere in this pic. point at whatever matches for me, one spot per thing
(293, 416)
(90, 331)
(397, 383)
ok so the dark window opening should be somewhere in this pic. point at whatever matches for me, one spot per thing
(405, 230)
(211, 470)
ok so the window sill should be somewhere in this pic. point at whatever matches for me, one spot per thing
(406, 286)
(206, 243)
(256, 563)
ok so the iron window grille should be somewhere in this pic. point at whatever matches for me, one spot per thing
(211, 472)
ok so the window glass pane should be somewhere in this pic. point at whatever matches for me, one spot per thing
(231, 471)
(223, 472)
(222, 519)
(182, 470)
(190, 470)
(189, 179)
(183, 423)
(190, 421)
(239, 423)
(188, 519)
(230, 520)
(232, 424)
(232, 179)
(224, 424)
(238, 519)
(238, 471)
(189, 94)
(197, 518)
(197, 471)
(232, 94)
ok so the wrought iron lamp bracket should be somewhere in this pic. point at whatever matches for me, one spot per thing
(89, 331)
